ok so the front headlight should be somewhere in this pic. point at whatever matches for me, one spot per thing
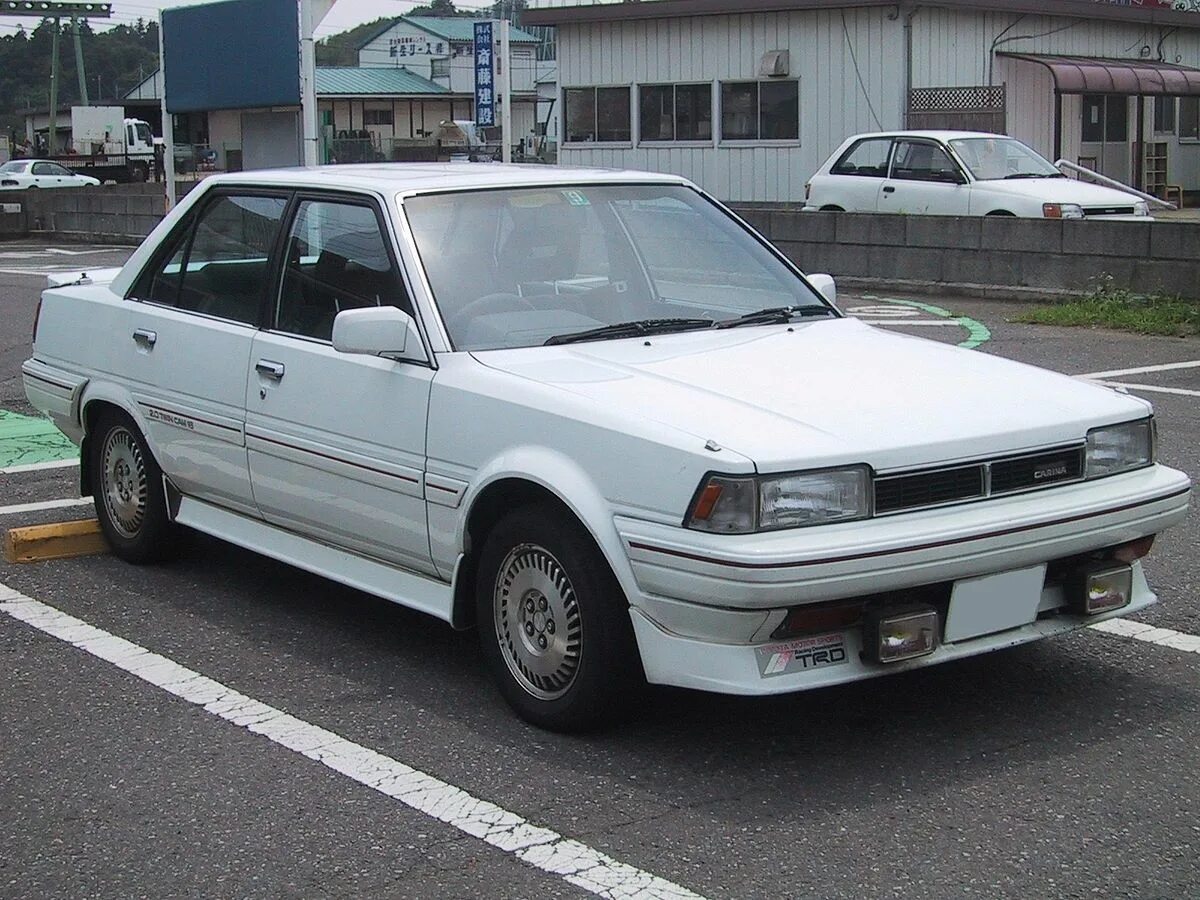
(1119, 448)
(1141, 208)
(740, 505)
(1062, 210)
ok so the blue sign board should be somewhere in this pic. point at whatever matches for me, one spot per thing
(485, 90)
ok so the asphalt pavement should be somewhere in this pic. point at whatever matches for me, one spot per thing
(1063, 768)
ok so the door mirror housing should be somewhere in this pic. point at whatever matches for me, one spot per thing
(824, 286)
(378, 331)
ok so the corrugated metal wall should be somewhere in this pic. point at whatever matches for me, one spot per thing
(950, 48)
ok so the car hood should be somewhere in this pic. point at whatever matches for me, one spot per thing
(1060, 190)
(826, 393)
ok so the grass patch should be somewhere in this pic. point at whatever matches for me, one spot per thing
(1112, 307)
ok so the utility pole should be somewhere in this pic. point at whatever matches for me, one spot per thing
(83, 92)
(53, 135)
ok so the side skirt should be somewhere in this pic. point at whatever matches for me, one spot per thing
(415, 591)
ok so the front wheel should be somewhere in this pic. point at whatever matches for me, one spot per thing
(128, 491)
(553, 622)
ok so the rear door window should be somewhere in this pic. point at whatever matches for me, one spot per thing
(867, 158)
(221, 266)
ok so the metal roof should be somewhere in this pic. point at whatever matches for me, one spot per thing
(665, 9)
(456, 30)
(362, 81)
(1128, 77)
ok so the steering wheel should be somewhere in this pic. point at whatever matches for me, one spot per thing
(488, 303)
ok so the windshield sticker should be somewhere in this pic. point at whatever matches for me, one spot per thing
(801, 655)
(576, 199)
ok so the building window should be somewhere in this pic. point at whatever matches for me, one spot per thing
(1105, 119)
(439, 68)
(1189, 118)
(377, 117)
(1164, 115)
(675, 112)
(760, 110)
(597, 114)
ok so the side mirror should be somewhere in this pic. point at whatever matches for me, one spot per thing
(378, 331)
(825, 287)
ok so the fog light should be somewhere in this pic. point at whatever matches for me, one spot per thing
(1101, 589)
(895, 634)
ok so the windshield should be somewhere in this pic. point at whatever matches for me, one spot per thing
(515, 268)
(14, 166)
(993, 159)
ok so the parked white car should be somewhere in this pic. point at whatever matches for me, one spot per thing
(958, 173)
(601, 418)
(22, 174)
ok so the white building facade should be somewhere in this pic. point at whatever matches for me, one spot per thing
(443, 51)
(749, 98)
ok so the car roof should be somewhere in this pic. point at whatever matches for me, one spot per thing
(403, 177)
(933, 135)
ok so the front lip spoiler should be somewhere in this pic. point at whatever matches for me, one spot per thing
(911, 548)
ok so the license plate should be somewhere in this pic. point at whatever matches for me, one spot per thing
(992, 603)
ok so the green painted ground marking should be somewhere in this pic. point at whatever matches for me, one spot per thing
(25, 440)
(977, 332)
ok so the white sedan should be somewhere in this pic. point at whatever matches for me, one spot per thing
(957, 173)
(22, 174)
(598, 417)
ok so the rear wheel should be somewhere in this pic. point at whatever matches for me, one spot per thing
(553, 622)
(831, 208)
(127, 484)
(1003, 213)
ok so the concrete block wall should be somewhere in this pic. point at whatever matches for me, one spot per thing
(120, 214)
(988, 255)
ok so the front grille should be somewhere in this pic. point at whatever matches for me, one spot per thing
(1034, 471)
(977, 481)
(1108, 210)
(928, 488)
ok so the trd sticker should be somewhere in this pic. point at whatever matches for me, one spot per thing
(801, 655)
(170, 418)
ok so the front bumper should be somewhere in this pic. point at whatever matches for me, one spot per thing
(746, 669)
(706, 605)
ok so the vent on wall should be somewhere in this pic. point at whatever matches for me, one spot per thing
(774, 63)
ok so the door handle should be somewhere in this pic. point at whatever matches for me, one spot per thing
(145, 337)
(888, 189)
(269, 369)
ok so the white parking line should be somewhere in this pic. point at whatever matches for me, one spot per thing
(541, 847)
(1142, 370)
(1152, 388)
(36, 467)
(44, 504)
(1140, 631)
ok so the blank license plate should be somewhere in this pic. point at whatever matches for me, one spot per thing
(994, 603)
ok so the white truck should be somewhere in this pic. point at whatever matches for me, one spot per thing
(109, 145)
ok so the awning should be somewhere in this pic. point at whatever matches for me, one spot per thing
(1129, 77)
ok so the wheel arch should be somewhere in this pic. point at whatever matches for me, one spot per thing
(97, 398)
(560, 482)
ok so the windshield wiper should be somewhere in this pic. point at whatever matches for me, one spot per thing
(636, 328)
(1034, 175)
(776, 314)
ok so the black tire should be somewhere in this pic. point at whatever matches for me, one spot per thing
(127, 487)
(139, 173)
(541, 578)
(1003, 213)
(831, 208)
